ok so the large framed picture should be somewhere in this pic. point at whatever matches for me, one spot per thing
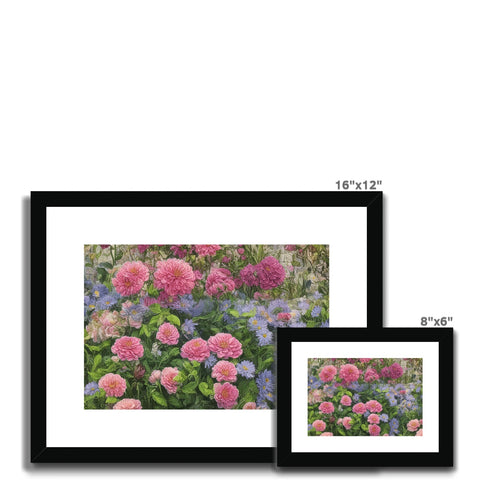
(175, 341)
(382, 397)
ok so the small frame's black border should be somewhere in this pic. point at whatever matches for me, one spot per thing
(287, 458)
(40, 201)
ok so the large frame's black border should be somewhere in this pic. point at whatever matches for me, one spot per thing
(40, 201)
(287, 458)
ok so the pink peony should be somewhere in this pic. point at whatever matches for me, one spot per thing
(270, 273)
(327, 434)
(374, 430)
(224, 371)
(326, 407)
(207, 250)
(347, 422)
(373, 418)
(413, 425)
(371, 375)
(225, 346)
(174, 276)
(167, 379)
(219, 281)
(225, 395)
(328, 373)
(155, 376)
(250, 406)
(349, 373)
(168, 334)
(374, 406)
(359, 408)
(346, 401)
(113, 384)
(419, 433)
(319, 425)
(195, 349)
(248, 276)
(128, 348)
(128, 404)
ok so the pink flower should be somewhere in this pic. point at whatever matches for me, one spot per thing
(225, 395)
(319, 425)
(128, 404)
(113, 384)
(374, 430)
(226, 259)
(347, 422)
(195, 349)
(207, 250)
(178, 251)
(128, 348)
(328, 373)
(250, 406)
(374, 406)
(104, 246)
(198, 274)
(142, 248)
(371, 375)
(238, 282)
(224, 371)
(219, 281)
(290, 248)
(168, 334)
(130, 278)
(174, 276)
(155, 376)
(349, 373)
(385, 372)
(364, 360)
(240, 251)
(225, 346)
(107, 325)
(359, 408)
(346, 400)
(284, 316)
(413, 425)
(326, 407)
(167, 379)
(270, 273)
(419, 433)
(248, 276)
(327, 434)
(396, 371)
(373, 418)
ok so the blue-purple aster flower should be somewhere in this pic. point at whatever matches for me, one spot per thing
(303, 306)
(383, 417)
(314, 382)
(99, 289)
(134, 312)
(90, 302)
(316, 311)
(91, 388)
(317, 295)
(211, 361)
(265, 381)
(246, 369)
(256, 324)
(188, 327)
(106, 301)
(264, 336)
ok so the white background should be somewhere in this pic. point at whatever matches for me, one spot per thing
(256, 95)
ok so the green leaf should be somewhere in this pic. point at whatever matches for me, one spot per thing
(157, 320)
(96, 361)
(174, 402)
(233, 313)
(189, 387)
(155, 308)
(203, 387)
(174, 320)
(181, 377)
(159, 398)
(105, 265)
(111, 400)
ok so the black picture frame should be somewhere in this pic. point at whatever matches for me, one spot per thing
(287, 458)
(41, 201)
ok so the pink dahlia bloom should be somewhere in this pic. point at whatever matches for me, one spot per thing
(396, 371)
(270, 273)
(224, 371)
(346, 401)
(195, 349)
(167, 379)
(284, 316)
(225, 395)
(168, 334)
(128, 348)
(250, 406)
(219, 281)
(113, 384)
(174, 276)
(419, 433)
(326, 407)
(374, 430)
(225, 345)
(107, 325)
(371, 375)
(327, 434)
(328, 373)
(349, 373)
(130, 278)
(373, 418)
(179, 251)
(413, 425)
(373, 406)
(347, 422)
(385, 372)
(207, 250)
(155, 376)
(248, 276)
(359, 408)
(319, 425)
(128, 404)
(142, 248)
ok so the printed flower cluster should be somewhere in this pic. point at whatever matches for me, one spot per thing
(365, 396)
(193, 326)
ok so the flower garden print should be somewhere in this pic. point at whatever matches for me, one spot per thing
(365, 397)
(193, 326)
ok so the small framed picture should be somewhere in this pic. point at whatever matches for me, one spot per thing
(357, 398)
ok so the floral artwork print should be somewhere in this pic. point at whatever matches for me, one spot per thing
(193, 326)
(365, 397)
